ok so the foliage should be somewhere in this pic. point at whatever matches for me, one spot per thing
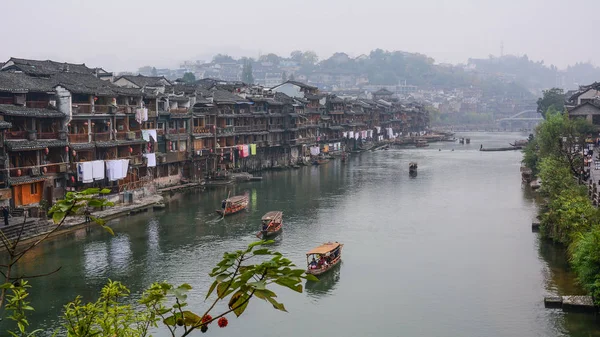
(530, 156)
(235, 282)
(551, 98)
(17, 305)
(188, 78)
(13, 290)
(585, 257)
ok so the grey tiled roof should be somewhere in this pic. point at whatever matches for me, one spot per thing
(25, 180)
(16, 110)
(48, 67)
(82, 146)
(225, 97)
(145, 81)
(20, 82)
(18, 145)
(5, 125)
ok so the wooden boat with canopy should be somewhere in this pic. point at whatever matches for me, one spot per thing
(324, 257)
(271, 224)
(233, 205)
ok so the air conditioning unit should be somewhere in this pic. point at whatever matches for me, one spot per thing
(130, 135)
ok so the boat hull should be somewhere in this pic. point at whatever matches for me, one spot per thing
(320, 271)
(270, 234)
(232, 210)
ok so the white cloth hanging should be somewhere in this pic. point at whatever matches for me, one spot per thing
(124, 168)
(84, 172)
(151, 157)
(98, 169)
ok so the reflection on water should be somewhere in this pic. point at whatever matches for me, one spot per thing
(447, 253)
(326, 284)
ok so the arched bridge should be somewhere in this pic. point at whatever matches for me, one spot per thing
(527, 119)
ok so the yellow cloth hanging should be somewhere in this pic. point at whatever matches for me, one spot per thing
(253, 149)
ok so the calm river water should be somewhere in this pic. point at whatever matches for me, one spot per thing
(447, 253)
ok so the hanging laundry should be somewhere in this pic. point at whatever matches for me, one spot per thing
(144, 114)
(138, 115)
(253, 149)
(146, 135)
(151, 159)
(378, 129)
(350, 134)
(345, 134)
(356, 135)
(153, 136)
(85, 172)
(314, 151)
(98, 169)
(370, 133)
(245, 151)
(124, 168)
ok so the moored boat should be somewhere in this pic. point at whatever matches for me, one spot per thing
(320, 161)
(272, 223)
(421, 143)
(518, 143)
(324, 257)
(233, 205)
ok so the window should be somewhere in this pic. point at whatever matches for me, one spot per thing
(34, 189)
(160, 125)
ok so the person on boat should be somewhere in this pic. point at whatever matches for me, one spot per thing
(313, 263)
(223, 203)
(265, 226)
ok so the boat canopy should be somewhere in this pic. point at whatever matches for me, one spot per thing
(271, 215)
(324, 248)
(236, 199)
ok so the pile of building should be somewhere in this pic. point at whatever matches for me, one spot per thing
(69, 127)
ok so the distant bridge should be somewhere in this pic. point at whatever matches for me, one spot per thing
(525, 119)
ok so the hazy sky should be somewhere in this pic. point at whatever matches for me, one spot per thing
(125, 34)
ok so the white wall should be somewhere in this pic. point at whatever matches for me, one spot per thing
(122, 82)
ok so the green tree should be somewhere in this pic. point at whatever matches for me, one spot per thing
(291, 78)
(551, 98)
(189, 77)
(247, 76)
(235, 282)
(223, 58)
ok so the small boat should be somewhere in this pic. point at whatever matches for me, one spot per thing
(320, 161)
(324, 257)
(461, 140)
(468, 140)
(421, 143)
(412, 167)
(271, 224)
(233, 205)
(521, 142)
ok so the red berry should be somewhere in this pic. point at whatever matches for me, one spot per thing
(222, 322)
(206, 318)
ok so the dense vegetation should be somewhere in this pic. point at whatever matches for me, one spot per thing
(568, 216)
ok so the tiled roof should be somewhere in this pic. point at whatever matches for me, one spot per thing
(82, 146)
(5, 125)
(383, 91)
(48, 67)
(25, 180)
(16, 110)
(225, 97)
(146, 81)
(20, 82)
(19, 145)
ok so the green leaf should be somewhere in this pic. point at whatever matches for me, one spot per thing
(260, 285)
(95, 203)
(104, 191)
(276, 305)
(98, 220)
(190, 318)
(263, 251)
(239, 302)
(289, 283)
(221, 289)
(108, 229)
(57, 216)
(211, 289)
(310, 277)
(222, 277)
(264, 293)
(185, 286)
(256, 243)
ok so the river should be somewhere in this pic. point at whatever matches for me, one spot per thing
(447, 253)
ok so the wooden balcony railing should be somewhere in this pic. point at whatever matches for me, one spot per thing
(102, 109)
(179, 111)
(78, 137)
(129, 135)
(38, 169)
(261, 127)
(182, 130)
(202, 129)
(102, 136)
(245, 128)
(47, 135)
(225, 130)
(37, 104)
(16, 135)
(82, 108)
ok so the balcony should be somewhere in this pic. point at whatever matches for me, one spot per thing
(103, 109)
(37, 104)
(78, 137)
(260, 127)
(47, 135)
(125, 109)
(179, 111)
(102, 136)
(202, 129)
(81, 108)
(245, 128)
(173, 157)
(160, 132)
(53, 168)
(226, 130)
(182, 130)
(16, 134)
